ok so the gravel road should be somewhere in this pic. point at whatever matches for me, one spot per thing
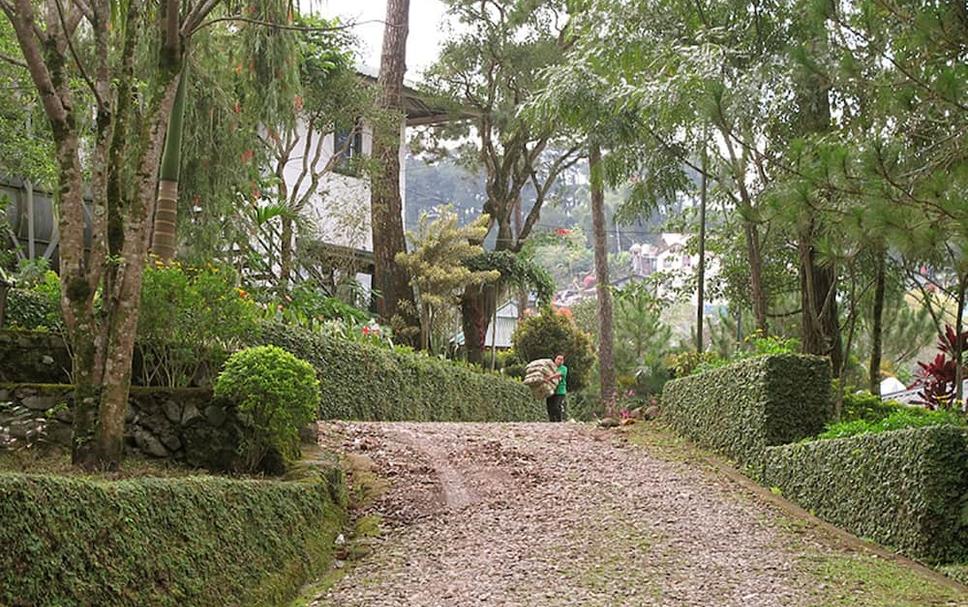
(550, 515)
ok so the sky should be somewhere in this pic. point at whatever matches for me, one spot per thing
(427, 30)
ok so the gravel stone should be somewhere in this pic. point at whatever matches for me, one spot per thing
(548, 515)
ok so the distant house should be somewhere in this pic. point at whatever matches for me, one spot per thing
(668, 254)
(894, 389)
(500, 333)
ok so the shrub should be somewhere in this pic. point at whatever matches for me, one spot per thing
(741, 408)
(684, 363)
(189, 318)
(904, 488)
(550, 333)
(308, 306)
(193, 541)
(276, 395)
(903, 417)
(867, 407)
(35, 305)
(937, 378)
(365, 382)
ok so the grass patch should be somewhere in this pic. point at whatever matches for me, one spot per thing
(363, 487)
(846, 579)
(58, 462)
(661, 442)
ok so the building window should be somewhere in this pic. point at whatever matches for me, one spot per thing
(348, 146)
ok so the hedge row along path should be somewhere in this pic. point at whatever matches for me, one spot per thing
(549, 515)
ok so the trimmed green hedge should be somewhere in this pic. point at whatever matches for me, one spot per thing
(742, 408)
(907, 489)
(181, 541)
(364, 382)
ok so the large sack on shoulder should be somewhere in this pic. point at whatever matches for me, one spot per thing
(542, 390)
(537, 375)
(545, 365)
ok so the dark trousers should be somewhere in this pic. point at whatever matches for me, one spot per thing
(556, 407)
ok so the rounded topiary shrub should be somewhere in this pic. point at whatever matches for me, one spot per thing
(276, 394)
(551, 333)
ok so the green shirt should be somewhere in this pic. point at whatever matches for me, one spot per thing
(562, 383)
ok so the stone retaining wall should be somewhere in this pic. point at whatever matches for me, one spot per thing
(27, 356)
(182, 424)
(44, 358)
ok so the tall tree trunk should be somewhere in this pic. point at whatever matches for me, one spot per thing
(754, 255)
(386, 206)
(505, 235)
(758, 293)
(77, 302)
(877, 331)
(820, 321)
(522, 294)
(701, 287)
(122, 293)
(479, 302)
(165, 230)
(473, 307)
(606, 362)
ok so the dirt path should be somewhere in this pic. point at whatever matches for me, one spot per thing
(549, 515)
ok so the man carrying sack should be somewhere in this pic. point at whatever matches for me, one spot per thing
(556, 402)
(547, 379)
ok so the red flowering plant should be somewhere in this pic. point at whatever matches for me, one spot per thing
(937, 378)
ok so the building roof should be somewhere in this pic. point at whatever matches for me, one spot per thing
(420, 109)
(333, 253)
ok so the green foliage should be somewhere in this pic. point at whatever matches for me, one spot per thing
(549, 334)
(32, 310)
(755, 345)
(308, 306)
(565, 253)
(195, 541)
(33, 304)
(190, 317)
(276, 395)
(865, 406)
(437, 264)
(903, 488)
(685, 363)
(365, 382)
(742, 408)
(26, 148)
(516, 271)
(641, 340)
(903, 417)
(440, 249)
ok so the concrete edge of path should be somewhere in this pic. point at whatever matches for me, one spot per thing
(848, 538)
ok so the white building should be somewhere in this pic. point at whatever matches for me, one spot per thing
(339, 211)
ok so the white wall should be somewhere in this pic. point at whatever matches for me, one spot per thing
(340, 208)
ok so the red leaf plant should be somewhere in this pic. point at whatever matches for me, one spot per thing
(937, 378)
